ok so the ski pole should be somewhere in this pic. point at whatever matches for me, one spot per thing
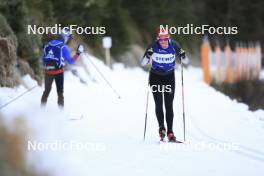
(146, 115)
(183, 108)
(11, 101)
(101, 74)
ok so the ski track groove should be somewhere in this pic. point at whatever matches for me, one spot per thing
(246, 151)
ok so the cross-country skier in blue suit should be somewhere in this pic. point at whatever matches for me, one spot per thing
(162, 55)
(56, 52)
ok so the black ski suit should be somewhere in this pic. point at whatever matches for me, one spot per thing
(162, 76)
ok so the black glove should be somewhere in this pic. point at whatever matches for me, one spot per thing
(149, 52)
(182, 54)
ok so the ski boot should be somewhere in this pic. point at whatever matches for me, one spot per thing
(171, 137)
(162, 133)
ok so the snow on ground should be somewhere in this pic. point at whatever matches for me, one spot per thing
(223, 136)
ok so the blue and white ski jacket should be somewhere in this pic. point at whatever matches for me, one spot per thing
(162, 60)
(57, 51)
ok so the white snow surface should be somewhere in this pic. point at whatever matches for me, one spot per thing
(112, 128)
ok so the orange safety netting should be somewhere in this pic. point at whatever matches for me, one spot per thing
(229, 66)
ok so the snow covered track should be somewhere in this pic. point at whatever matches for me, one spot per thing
(241, 150)
(19, 96)
(113, 128)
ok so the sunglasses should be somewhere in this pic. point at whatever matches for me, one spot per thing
(163, 40)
